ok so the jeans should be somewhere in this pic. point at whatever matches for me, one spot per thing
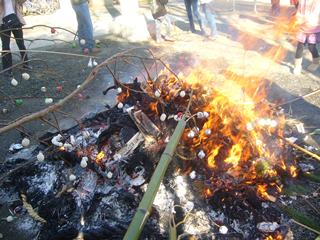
(275, 7)
(159, 22)
(210, 18)
(85, 28)
(312, 48)
(192, 6)
(5, 39)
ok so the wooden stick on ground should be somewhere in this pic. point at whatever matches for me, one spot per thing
(301, 149)
(300, 97)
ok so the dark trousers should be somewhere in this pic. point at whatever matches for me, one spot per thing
(192, 7)
(312, 48)
(5, 39)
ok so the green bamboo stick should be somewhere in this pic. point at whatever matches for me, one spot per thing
(144, 209)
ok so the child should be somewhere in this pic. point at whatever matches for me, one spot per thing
(207, 9)
(11, 21)
(160, 15)
(308, 15)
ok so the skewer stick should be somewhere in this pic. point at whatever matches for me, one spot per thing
(301, 149)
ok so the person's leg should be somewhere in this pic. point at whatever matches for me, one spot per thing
(315, 57)
(80, 29)
(158, 29)
(168, 25)
(195, 10)
(6, 55)
(85, 28)
(298, 59)
(18, 34)
(189, 13)
(211, 20)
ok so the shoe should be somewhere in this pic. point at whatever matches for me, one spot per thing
(297, 66)
(169, 39)
(314, 65)
(211, 38)
(95, 50)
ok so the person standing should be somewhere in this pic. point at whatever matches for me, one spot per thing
(85, 27)
(160, 15)
(308, 16)
(192, 7)
(275, 8)
(11, 21)
(206, 7)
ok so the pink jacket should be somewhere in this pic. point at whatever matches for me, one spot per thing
(18, 9)
(309, 15)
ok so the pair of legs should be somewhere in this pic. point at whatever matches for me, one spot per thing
(6, 54)
(275, 7)
(299, 54)
(85, 28)
(192, 7)
(164, 19)
(312, 48)
(210, 19)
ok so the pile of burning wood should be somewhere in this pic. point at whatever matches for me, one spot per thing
(228, 171)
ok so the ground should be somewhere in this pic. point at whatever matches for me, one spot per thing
(244, 36)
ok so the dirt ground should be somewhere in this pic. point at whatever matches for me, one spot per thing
(231, 48)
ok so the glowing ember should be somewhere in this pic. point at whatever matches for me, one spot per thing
(277, 237)
(293, 171)
(100, 157)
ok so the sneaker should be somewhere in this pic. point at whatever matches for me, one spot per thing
(297, 70)
(210, 38)
(313, 67)
(169, 39)
(95, 50)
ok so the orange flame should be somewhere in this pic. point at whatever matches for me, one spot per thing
(277, 237)
(293, 171)
(100, 157)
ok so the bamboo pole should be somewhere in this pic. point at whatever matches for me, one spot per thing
(144, 209)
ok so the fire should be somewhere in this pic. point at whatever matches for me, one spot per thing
(277, 237)
(212, 155)
(153, 106)
(262, 191)
(293, 171)
(208, 192)
(243, 144)
(100, 157)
